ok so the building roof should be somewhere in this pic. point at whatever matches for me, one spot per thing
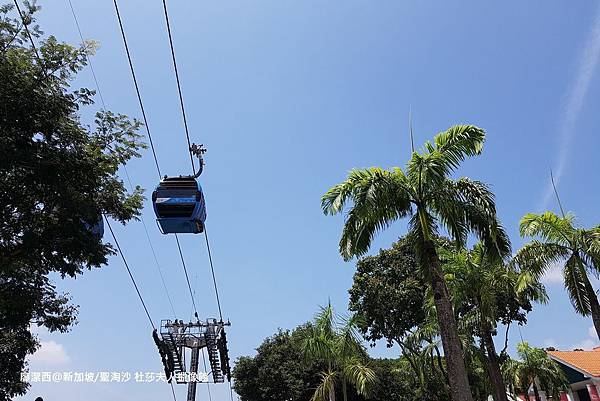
(588, 362)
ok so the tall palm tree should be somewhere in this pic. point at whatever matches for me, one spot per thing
(488, 289)
(577, 250)
(426, 193)
(337, 347)
(535, 370)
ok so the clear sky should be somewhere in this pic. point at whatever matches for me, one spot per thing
(288, 96)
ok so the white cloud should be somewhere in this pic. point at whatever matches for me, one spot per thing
(574, 98)
(553, 275)
(592, 332)
(587, 345)
(50, 353)
(550, 343)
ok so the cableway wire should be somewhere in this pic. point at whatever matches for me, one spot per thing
(89, 59)
(129, 271)
(187, 278)
(135, 285)
(212, 269)
(174, 59)
(189, 150)
(156, 263)
(185, 124)
(87, 56)
(137, 89)
(37, 54)
(149, 136)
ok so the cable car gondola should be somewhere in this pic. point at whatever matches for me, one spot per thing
(179, 202)
(179, 205)
(96, 229)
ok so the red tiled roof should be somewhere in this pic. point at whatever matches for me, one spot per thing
(586, 361)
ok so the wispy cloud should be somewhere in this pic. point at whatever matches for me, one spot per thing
(574, 99)
(588, 343)
(50, 353)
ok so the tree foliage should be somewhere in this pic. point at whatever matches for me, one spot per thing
(278, 371)
(387, 293)
(58, 177)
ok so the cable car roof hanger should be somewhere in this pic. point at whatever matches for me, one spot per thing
(179, 203)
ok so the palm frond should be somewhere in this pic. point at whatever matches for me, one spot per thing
(325, 391)
(575, 283)
(427, 170)
(443, 202)
(378, 196)
(591, 248)
(459, 142)
(319, 339)
(466, 206)
(317, 347)
(535, 258)
(325, 320)
(360, 375)
(348, 339)
(548, 226)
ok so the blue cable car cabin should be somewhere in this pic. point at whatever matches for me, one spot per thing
(179, 205)
(96, 229)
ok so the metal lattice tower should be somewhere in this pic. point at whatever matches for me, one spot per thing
(176, 337)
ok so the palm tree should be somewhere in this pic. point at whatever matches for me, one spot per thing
(487, 289)
(427, 194)
(534, 369)
(337, 347)
(577, 250)
(420, 347)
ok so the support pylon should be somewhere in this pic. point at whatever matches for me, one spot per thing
(176, 337)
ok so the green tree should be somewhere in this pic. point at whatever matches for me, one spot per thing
(387, 293)
(334, 343)
(389, 300)
(534, 368)
(278, 371)
(57, 178)
(425, 192)
(397, 382)
(558, 241)
(484, 291)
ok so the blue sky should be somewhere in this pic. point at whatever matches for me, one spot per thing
(287, 97)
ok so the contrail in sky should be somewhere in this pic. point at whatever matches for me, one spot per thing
(574, 98)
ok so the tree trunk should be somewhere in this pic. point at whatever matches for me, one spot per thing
(418, 372)
(594, 305)
(441, 365)
(493, 363)
(457, 372)
(536, 392)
